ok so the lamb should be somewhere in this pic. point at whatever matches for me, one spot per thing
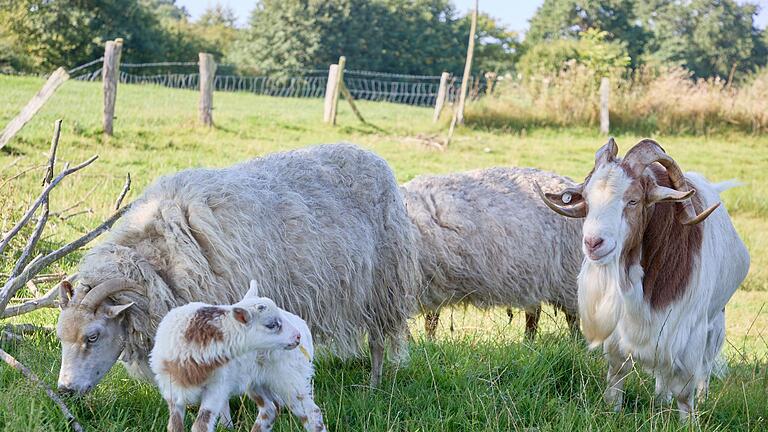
(486, 239)
(323, 230)
(205, 354)
(662, 261)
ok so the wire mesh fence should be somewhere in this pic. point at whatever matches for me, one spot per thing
(419, 90)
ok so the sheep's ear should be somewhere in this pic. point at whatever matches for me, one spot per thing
(66, 292)
(116, 310)
(241, 315)
(253, 290)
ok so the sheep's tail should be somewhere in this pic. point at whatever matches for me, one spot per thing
(725, 185)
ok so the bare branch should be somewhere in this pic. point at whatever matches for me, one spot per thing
(43, 196)
(25, 329)
(27, 253)
(52, 154)
(71, 420)
(126, 188)
(40, 262)
(19, 174)
(48, 300)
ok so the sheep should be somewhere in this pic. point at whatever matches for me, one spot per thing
(486, 239)
(662, 261)
(323, 230)
(204, 354)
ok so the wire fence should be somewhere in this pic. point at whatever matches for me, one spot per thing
(419, 90)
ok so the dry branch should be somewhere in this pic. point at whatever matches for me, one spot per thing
(12, 362)
(48, 300)
(126, 188)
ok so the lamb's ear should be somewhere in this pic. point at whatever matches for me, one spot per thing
(241, 315)
(66, 292)
(253, 290)
(115, 310)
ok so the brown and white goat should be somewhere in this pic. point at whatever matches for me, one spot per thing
(661, 262)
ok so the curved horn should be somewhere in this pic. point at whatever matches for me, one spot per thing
(578, 210)
(649, 151)
(607, 153)
(100, 292)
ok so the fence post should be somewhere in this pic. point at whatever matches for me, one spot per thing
(331, 88)
(339, 83)
(467, 70)
(604, 116)
(442, 92)
(207, 73)
(110, 75)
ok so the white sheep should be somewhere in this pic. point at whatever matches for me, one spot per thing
(486, 239)
(205, 354)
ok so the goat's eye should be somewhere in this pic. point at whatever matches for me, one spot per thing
(632, 203)
(93, 337)
(273, 325)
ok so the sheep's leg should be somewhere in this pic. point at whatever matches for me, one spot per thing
(213, 401)
(619, 368)
(685, 405)
(304, 407)
(532, 322)
(377, 359)
(268, 410)
(176, 416)
(225, 417)
(431, 320)
(511, 315)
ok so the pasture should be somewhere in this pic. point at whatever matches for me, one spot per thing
(482, 376)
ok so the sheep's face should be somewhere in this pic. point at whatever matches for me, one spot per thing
(264, 325)
(91, 342)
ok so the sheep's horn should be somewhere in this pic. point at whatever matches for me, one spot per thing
(649, 151)
(578, 210)
(607, 153)
(100, 292)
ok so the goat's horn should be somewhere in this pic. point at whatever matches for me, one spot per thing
(578, 210)
(100, 292)
(649, 151)
(607, 153)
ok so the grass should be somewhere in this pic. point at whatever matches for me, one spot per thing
(480, 377)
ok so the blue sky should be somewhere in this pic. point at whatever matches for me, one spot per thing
(513, 13)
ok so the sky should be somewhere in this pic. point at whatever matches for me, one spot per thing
(513, 13)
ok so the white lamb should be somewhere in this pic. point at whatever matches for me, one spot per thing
(205, 354)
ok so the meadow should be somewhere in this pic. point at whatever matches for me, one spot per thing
(479, 374)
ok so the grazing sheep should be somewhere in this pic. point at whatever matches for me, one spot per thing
(486, 239)
(323, 230)
(662, 261)
(205, 354)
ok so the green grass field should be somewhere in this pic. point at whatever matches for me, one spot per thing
(482, 376)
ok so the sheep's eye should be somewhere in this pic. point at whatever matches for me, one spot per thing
(93, 337)
(632, 203)
(274, 325)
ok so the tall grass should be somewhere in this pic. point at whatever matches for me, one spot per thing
(647, 102)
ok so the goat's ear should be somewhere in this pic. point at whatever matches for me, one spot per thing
(253, 290)
(665, 194)
(115, 310)
(241, 315)
(66, 292)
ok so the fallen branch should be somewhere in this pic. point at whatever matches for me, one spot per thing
(48, 300)
(12, 362)
(126, 188)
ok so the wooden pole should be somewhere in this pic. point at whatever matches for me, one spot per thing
(339, 83)
(331, 88)
(110, 75)
(604, 112)
(207, 73)
(56, 79)
(351, 100)
(467, 66)
(442, 92)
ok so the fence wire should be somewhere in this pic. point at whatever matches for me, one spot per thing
(419, 90)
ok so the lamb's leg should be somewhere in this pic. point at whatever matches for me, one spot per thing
(267, 409)
(206, 419)
(532, 322)
(225, 417)
(619, 368)
(213, 401)
(176, 416)
(304, 407)
(431, 320)
(377, 359)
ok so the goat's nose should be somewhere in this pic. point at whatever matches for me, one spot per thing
(593, 243)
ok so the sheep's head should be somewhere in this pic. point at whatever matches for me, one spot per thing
(263, 323)
(618, 197)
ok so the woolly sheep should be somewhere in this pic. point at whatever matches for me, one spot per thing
(486, 239)
(205, 354)
(323, 230)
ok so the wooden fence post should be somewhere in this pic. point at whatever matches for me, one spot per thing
(56, 79)
(467, 68)
(339, 83)
(110, 75)
(207, 74)
(442, 92)
(604, 112)
(331, 88)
